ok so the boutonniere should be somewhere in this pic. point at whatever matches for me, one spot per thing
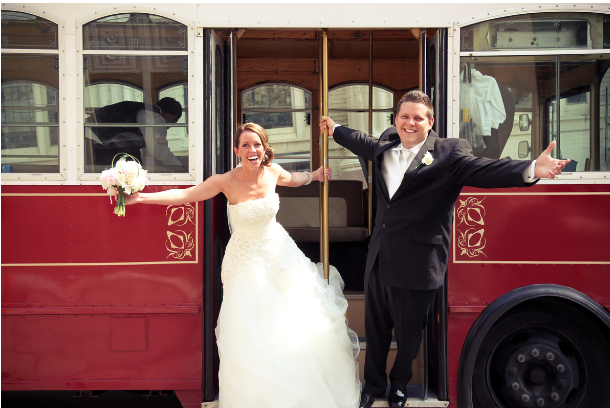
(427, 160)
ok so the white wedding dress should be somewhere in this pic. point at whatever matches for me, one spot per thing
(282, 335)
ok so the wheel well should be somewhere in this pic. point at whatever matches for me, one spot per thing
(558, 303)
(530, 298)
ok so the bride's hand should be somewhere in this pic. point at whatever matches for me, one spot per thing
(129, 199)
(317, 175)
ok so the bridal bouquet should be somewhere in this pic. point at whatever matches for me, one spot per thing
(126, 177)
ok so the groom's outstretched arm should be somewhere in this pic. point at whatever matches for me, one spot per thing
(356, 141)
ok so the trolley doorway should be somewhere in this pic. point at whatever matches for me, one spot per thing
(279, 84)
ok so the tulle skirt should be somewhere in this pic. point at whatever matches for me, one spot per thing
(283, 339)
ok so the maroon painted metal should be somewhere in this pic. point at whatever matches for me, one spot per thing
(506, 239)
(92, 301)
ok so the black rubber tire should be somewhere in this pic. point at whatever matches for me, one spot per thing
(575, 340)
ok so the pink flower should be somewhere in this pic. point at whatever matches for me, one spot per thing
(108, 178)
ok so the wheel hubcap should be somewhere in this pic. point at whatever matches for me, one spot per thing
(535, 368)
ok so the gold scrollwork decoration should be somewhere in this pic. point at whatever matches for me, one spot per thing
(471, 211)
(179, 244)
(180, 214)
(471, 241)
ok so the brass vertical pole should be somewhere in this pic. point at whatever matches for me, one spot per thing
(325, 147)
(320, 143)
(370, 166)
(421, 59)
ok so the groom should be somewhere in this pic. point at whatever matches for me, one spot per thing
(419, 178)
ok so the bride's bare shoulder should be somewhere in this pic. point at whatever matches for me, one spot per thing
(276, 168)
(221, 180)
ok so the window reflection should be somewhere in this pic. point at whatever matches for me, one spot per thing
(177, 137)
(577, 138)
(285, 113)
(135, 31)
(128, 108)
(349, 106)
(30, 113)
(537, 31)
(26, 31)
(604, 123)
(509, 108)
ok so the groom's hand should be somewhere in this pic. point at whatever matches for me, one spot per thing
(546, 166)
(327, 122)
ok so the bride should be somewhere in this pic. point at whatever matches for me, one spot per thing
(282, 336)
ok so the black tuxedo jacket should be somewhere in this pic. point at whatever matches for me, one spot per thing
(413, 229)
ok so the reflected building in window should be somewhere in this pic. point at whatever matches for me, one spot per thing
(349, 106)
(30, 94)
(548, 97)
(285, 113)
(124, 93)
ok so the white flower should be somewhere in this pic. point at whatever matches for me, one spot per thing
(138, 184)
(128, 176)
(427, 160)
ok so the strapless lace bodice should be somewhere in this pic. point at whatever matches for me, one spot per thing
(254, 217)
(257, 242)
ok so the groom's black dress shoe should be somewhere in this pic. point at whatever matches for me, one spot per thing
(366, 400)
(397, 399)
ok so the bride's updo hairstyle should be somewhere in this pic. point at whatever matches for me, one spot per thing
(258, 129)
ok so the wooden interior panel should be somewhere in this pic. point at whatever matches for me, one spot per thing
(291, 56)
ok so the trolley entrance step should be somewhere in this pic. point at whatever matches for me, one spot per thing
(415, 400)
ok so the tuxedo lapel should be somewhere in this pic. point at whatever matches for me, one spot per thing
(383, 146)
(415, 164)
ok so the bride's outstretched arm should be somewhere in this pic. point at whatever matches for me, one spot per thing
(298, 179)
(202, 191)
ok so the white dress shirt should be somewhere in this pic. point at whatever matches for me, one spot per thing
(396, 161)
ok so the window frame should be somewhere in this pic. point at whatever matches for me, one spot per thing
(62, 175)
(576, 177)
(194, 155)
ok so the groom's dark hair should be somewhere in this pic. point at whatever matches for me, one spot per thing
(417, 97)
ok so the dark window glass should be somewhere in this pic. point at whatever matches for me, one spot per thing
(30, 113)
(275, 96)
(270, 120)
(509, 107)
(537, 31)
(21, 30)
(129, 108)
(135, 31)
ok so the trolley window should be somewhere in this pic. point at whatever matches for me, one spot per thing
(30, 94)
(349, 106)
(513, 106)
(136, 103)
(543, 31)
(285, 113)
